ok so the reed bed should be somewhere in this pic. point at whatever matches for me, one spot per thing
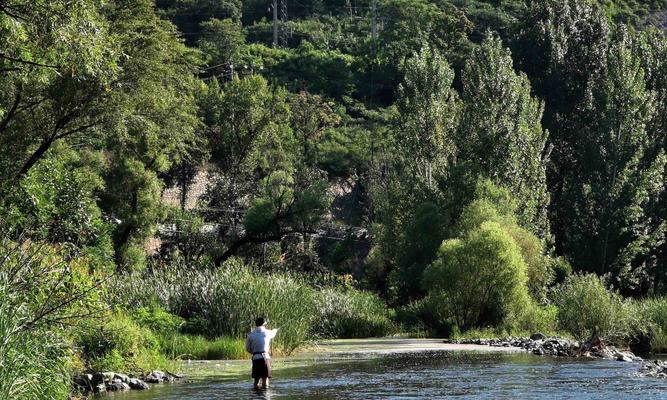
(351, 313)
(225, 302)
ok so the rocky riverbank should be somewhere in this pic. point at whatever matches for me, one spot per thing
(655, 369)
(116, 382)
(540, 344)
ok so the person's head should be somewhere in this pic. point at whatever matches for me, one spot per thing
(261, 321)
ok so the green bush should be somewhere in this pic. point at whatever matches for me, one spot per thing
(350, 313)
(426, 316)
(479, 280)
(495, 204)
(586, 309)
(535, 318)
(119, 344)
(157, 319)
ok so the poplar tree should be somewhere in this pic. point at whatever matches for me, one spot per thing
(621, 172)
(500, 134)
(428, 113)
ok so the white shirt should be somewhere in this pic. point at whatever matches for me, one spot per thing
(259, 341)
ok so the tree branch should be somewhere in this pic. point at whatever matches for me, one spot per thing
(22, 61)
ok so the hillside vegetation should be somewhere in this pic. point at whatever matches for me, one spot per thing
(168, 172)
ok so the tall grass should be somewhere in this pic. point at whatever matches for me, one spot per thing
(225, 301)
(351, 313)
(650, 320)
(33, 360)
(33, 365)
(197, 347)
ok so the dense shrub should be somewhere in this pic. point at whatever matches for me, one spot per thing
(350, 313)
(157, 319)
(534, 318)
(495, 204)
(586, 308)
(480, 279)
(427, 316)
(119, 344)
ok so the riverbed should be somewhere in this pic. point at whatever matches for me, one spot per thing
(414, 369)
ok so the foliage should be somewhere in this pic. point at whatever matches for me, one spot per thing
(587, 309)
(34, 360)
(119, 344)
(502, 137)
(350, 313)
(157, 319)
(227, 300)
(192, 347)
(481, 278)
(648, 320)
(493, 203)
(427, 114)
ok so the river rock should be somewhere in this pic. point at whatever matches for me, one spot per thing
(157, 377)
(83, 382)
(138, 384)
(655, 369)
(123, 378)
(102, 377)
(541, 345)
(100, 388)
(117, 386)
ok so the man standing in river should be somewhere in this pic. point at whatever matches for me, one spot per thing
(258, 344)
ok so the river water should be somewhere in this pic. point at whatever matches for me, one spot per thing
(429, 375)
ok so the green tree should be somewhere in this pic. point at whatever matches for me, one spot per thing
(240, 116)
(501, 137)
(154, 126)
(58, 66)
(621, 174)
(310, 116)
(561, 45)
(480, 278)
(427, 115)
(417, 248)
(222, 43)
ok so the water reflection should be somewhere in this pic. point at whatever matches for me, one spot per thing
(432, 375)
(263, 394)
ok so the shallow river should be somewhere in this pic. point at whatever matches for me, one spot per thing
(429, 375)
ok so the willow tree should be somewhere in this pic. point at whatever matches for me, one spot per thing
(153, 124)
(57, 65)
(500, 135)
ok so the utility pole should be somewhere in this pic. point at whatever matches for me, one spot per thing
(284, 30)
(275, 23)
(374, 27)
